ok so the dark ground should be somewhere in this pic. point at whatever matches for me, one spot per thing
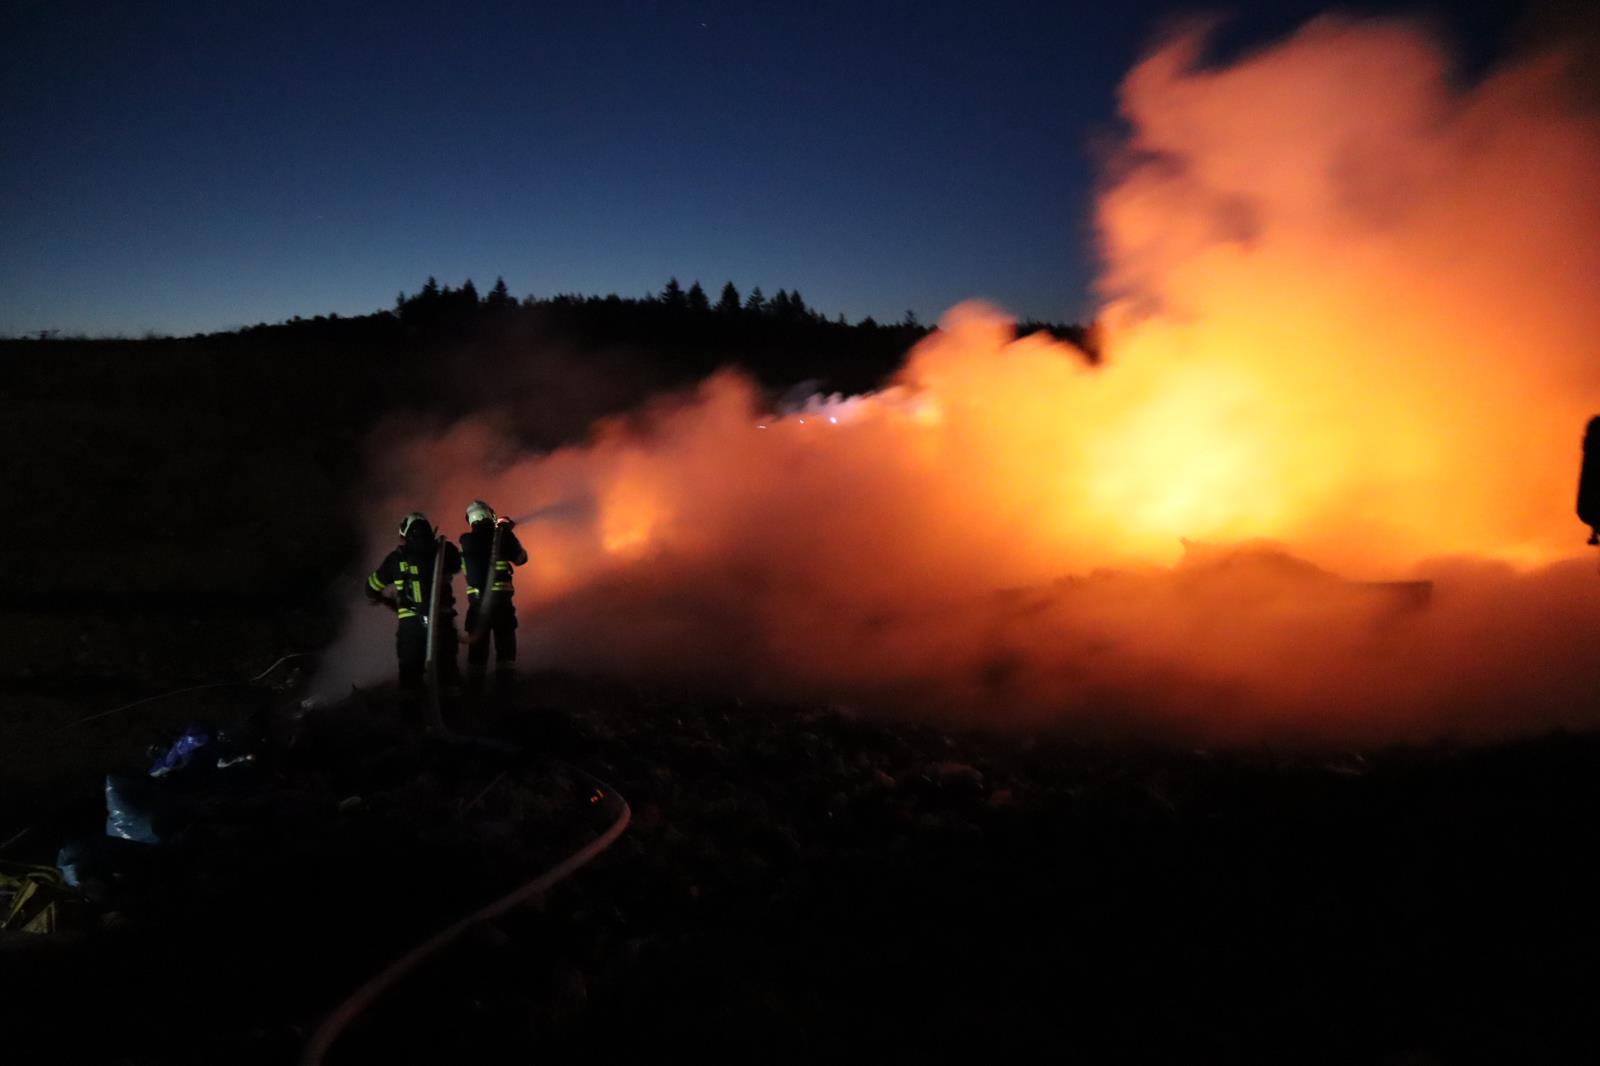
(806, 887)
(797, 885)
(800, 885)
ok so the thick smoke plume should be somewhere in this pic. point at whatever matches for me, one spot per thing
(1349, 330)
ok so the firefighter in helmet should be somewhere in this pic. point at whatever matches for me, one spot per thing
(408, 571)
(490, 611)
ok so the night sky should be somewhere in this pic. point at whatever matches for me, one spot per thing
(181, 168)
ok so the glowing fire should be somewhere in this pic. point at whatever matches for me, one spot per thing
(1349, 309)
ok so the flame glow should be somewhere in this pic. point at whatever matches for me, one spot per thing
(1350, 309)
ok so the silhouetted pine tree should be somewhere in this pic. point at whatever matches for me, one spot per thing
(697, 298)
(797, 306)
(756, 303)
(780, 304)
(672, 295)
(728, 302)
(499, 297)
(469, 292)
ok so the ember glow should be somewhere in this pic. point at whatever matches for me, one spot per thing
(1349, 332)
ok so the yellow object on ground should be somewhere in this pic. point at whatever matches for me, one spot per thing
(32, 898)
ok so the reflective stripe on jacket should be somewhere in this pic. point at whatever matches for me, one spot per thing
(412, 579)
(476, 545)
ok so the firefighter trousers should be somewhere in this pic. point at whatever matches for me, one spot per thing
(411, 645)
(502, 623)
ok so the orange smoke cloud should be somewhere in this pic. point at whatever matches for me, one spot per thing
(1385, 285)
(1349, 311)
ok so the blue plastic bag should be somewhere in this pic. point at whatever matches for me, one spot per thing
(177, 757)
(130, 815)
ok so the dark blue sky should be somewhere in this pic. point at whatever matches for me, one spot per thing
(178, 167)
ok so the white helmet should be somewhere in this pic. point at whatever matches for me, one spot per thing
(478, 511)
(418, 521)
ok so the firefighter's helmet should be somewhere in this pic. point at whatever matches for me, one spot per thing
(416, 525)
(478, 511)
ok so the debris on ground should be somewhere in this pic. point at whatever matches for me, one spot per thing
(796, 870)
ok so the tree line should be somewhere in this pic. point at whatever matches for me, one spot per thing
(780, 338)
(434, 301)
(671, 336)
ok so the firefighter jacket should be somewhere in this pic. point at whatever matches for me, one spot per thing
(409, 571)
(476, 545)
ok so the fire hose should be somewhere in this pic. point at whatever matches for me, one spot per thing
(363, 997)
(431, 659)
(479, 632)
(375, 987)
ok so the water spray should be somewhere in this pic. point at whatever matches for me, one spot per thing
(576, 509)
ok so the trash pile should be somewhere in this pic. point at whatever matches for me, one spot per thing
(258, 873)
(145, 810)
(34, 899)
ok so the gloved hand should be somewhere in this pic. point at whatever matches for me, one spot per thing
(507, 522)
(375, 600)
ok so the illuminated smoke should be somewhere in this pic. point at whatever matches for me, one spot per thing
(1349, 326)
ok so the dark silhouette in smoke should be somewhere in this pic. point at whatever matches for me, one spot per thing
(1589, 481)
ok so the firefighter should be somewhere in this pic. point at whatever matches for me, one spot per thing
(1589, 480)
(490, 591)
(408, 570)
